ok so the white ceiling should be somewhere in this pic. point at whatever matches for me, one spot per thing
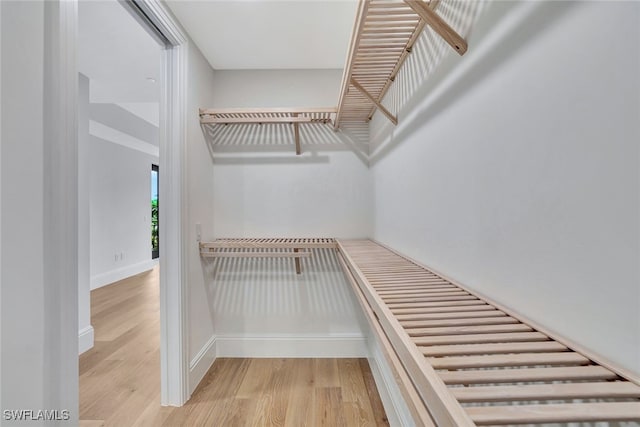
(269, 34)
(117, 54)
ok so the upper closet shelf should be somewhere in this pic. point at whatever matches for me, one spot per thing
(293, 116)
(382, 38)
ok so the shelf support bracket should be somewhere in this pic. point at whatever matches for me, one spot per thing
(296, 133)
(438, 25)
(375, 102)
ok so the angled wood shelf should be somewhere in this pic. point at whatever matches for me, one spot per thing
(265, 116)
(296, 248)
(464, 360)
(383, 36)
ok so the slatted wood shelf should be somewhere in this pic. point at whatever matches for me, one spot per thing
(267, 116)
(296, 248)
(471, 361)
(383, 36)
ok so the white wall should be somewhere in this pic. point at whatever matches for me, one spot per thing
(280, 196)
(261, 308)
(22, 157)
(269, 191)
(1, 342)
(258, 307)
(277, 88)
(120, 211)
(198, 209)
(517, 171)
(39, 322)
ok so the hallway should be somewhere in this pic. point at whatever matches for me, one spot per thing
(120, 375)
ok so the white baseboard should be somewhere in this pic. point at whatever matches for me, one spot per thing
(100, 280)
(395, 407)
(201, 363)
(85, 339)
(334, 345)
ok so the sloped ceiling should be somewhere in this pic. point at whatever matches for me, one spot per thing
(269, 34)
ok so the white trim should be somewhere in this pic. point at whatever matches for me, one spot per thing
(174, 350)
(395, 407)
(60, 168)
(117, 137)
(1, 405)
(201, 363)
(107, 278)
(294, 346)
(85, 339)
(173, 324)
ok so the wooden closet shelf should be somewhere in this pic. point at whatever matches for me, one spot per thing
(482, 354)
(295, 248)
(269, 116)
(382, 38)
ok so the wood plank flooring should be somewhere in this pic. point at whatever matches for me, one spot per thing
(120, 377)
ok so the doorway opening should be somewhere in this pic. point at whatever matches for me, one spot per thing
(155, 216)
(157, 21)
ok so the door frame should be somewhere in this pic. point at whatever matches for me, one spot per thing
(174, 362)
(160, 23)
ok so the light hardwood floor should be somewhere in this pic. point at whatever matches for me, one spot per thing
(120, 377)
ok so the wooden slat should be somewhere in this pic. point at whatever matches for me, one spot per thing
(216, 111)
(555, 413)
(471, 349)
(426, 289)
(427, 305)
(454, 312)
(463, 330)
(255, 120)
(255, 254)
(562, 391)
(432, 299)
(410, 293)
(503, 360)
(487, 376)
(266, 244)
(481, 338)
(409, 284)
(458, 322)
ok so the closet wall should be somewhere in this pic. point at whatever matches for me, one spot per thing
(262, 188)
(261, 307)
(515, 169)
